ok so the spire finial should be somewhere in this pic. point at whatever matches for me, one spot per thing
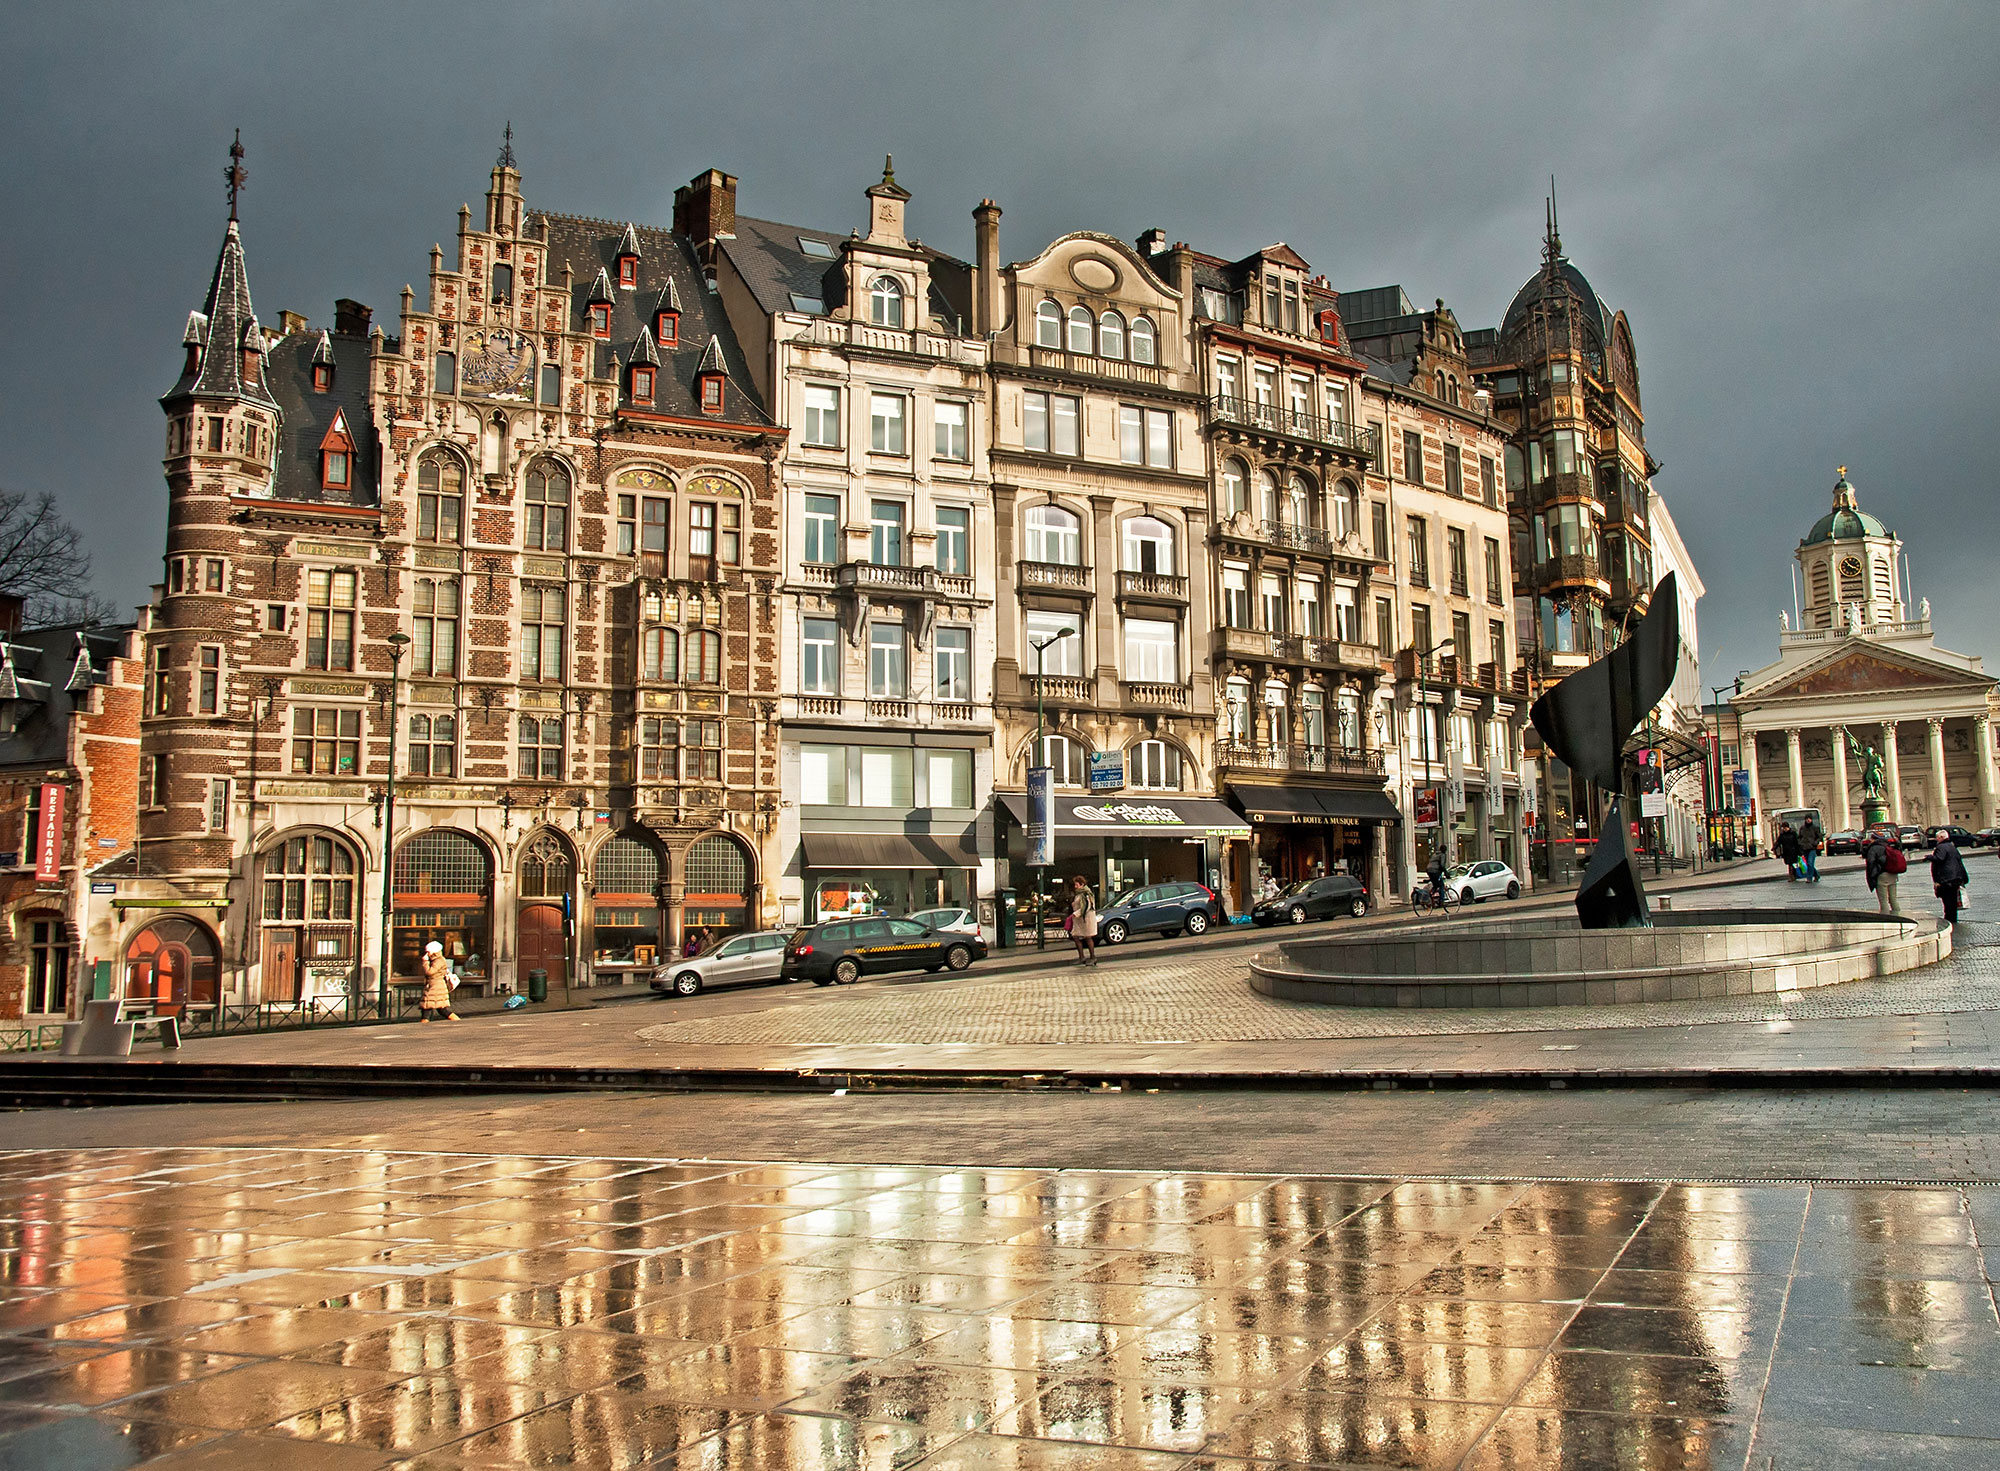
(1843, 472)
(506, 159)
(236, 176)
(1552, 242)
(888, 168)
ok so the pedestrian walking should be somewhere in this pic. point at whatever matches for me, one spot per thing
(1787, 849)
(1875, 854)
(1083, 921)
(1810, 842)
(435, 1003)
(1948, 877)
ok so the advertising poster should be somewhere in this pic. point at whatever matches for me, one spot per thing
(1426, 801)
(1107, 771)
(1041, 817)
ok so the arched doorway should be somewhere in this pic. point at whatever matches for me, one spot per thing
(308, 918)
(171, 964)
(443, 888)
(717, 888)
(542, 931)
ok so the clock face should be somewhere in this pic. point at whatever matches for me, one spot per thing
(1850, 566)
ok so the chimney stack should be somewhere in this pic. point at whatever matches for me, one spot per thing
(986, 266)
(351, 318)
(705, 208)
(1152, 242)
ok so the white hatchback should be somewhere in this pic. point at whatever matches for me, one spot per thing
(1488, 879)
(758, 956)
(958, 920)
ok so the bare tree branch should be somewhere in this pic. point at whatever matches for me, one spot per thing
(42, 560)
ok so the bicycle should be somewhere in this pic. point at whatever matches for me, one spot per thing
(1427, 901)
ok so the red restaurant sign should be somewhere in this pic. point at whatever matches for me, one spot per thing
(48, 841)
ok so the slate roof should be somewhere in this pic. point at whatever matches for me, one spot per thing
(767, 256)
(220, 327)
(1595, 314)
(50, 669)
(306, 415)
(590, 249)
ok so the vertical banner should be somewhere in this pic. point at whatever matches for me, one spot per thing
(48, 842)
(1041, 817)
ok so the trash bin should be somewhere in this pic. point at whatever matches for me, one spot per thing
(538, 985)
(1003, 917)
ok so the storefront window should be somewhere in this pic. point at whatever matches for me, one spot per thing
(888, 891)
(442, 881)
(626, 931)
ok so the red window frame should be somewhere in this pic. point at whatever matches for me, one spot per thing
(600, 320)
(642, 385)
(668, 328)
(628, 270)
(711, 394)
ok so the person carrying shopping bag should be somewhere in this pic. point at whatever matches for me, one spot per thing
(436, 1000)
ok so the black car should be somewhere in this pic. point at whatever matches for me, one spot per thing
(844, 950)
(1166, 909)
(1987, 837)
(1322, 898)
(1961, 839)
(1847, 840)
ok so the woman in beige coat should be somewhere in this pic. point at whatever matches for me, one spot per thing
(437, 984)
(1083, 920)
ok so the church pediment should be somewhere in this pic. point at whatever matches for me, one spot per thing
(1863, 671)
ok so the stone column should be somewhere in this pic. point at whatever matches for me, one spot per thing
(1940, 793)
(1982, 732)
(1892, 771)
(1842, 816)
(1792, 768)
(1746, 748)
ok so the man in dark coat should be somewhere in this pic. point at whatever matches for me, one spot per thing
(1948, 876)
(1787, 849)
(1809, 845)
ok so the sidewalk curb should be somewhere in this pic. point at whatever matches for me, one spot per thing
(70, 1084)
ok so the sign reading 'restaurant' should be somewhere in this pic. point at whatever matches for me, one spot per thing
(48, 841)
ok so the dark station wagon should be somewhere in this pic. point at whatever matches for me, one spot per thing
(844, 950)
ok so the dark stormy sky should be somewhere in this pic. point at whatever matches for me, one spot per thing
(1796, 204)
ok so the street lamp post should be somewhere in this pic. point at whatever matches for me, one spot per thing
(398, 643)
(1041, 647)
(1423, 664)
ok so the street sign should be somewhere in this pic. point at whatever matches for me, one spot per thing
(1107, 771)
(98, 886)
(1041, 826)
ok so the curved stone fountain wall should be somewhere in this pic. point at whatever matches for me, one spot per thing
(1687, 955)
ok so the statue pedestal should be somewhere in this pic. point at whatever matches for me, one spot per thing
(1873, 810)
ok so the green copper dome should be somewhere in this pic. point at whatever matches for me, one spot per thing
(1846, 520)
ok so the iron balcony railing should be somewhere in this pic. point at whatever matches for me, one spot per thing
(1258, 756)
(1294, 424)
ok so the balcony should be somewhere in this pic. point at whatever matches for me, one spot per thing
(1299, 538)
(1156, 586)
(1251, 643)
(1575, 486)
(1334, 760)
(1056, 360)
(1571, 567)
(826, 332)
(921, 582)
(1058, 689)
(1155, 696)
(1057, 576)
(1271, 418)
(1326, 653)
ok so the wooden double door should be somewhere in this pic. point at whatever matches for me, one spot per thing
(542, 944)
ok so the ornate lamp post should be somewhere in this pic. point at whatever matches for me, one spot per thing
(1040, 646)
(399, 642)
(1423, 673)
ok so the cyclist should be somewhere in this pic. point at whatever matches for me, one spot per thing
(1435, 874)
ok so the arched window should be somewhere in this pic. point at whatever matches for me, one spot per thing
(1066, 760)
(1235, 486)
(1345, 505)
(625, 902)
(172, 962)
(1142, 343)
(1080, 324)
(626, 868)
(1054, 535)
(1236, 709)
(1148, 546)
(309, 877)
(704, 657)
(717, 884)
(1300, 509)
(1277, 706)
(885, 302)
(1048, 325)
(547, 500)
(1438, 383)
(441, 881)
(440, 497)
(662, 653)
(1111, 335)
(545, 867)
(1267, 496)
(1153, 766)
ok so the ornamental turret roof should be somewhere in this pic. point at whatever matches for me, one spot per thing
(224, 323)
(711, 358)
(600, 289)
(323, 353)
(670, 298)
(628, 243)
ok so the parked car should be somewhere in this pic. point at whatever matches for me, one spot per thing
(1987, 837)
(844, 950)
(1910, 837)
(1320, 898)
(1487, 879)
(1847, 840)
(1959, 836)
(958, 920)
(1165, 909)
(759, 956)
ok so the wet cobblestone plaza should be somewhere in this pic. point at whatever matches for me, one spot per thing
(345, 1308)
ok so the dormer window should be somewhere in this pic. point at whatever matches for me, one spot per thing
(667, 328)
(885, 302)
(322, 377)
(1329, 326)
(642, 385)
(600, 320)
(333, 469)
(711, 393)
(336, 456)
(628, 271)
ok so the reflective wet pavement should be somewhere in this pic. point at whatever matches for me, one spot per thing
(341, 1308)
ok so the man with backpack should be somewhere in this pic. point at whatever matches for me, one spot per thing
(1883, 863)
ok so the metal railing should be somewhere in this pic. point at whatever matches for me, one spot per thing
(1277, 419)
(1569, 567)
(1259, 756)
(1332, 652)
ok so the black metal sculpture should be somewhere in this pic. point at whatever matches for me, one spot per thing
(1584, 720)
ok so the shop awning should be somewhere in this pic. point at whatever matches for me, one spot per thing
(1123, 814)
(1303, 804)
(889, 850)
